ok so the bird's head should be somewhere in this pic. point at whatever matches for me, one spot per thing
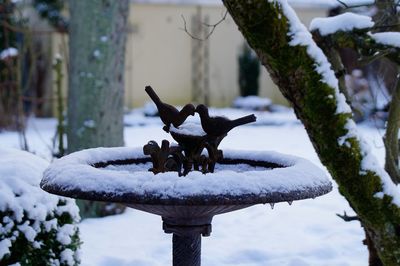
(201, 109)
(165, 145)
(151, 147)
(189, 109)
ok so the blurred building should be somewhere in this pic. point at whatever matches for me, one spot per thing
(160, 53)
(182, 69)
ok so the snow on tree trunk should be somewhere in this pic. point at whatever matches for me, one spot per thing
(96, 73)
(305, 78)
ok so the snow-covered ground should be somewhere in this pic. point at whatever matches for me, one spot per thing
(305, 233)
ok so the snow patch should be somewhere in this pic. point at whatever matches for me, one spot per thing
(67, 256)
(189, 129)
(370, 163)
(29, 232)
(58, 56)
(104, 38)
(9, 52)
(5, 245)
(96, 53)
(89, 123)
(150, 109)
(387, 38)
(252, 103)
(65, 233)
(343, 22)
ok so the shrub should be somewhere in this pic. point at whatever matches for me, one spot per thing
(36, 228)
(249, 71)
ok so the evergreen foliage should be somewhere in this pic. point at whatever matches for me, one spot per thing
(249, 71)
(48, 248)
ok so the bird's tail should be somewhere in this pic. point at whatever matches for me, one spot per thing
(244, 120)
(152, 95)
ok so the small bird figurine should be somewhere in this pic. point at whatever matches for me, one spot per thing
(168, 113)
(218, 126)
(158, 155)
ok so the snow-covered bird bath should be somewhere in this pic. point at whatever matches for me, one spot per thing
(189, 183)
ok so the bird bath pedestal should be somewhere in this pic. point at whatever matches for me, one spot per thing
(182, 183)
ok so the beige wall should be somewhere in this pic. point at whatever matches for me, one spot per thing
(159, 54)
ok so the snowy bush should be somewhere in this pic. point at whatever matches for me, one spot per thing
(36, 228)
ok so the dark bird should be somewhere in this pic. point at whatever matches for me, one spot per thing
(218, 126)
(168, 113)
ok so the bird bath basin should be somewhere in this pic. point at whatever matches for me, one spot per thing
(186, 184)
(186, 204)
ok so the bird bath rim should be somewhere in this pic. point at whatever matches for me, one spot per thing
(83, 175)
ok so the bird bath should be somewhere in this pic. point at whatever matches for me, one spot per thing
(186, 184)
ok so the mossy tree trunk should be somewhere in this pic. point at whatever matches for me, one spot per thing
(266, 28)
(97, 35)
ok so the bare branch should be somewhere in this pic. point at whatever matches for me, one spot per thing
(346, 6)
(365, 60)
(347, 218)
(212, 26)
(186, 30)
(343, 4)
(385, 26)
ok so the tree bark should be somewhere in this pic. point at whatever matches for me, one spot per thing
(96, 73)
(391, 139)
(97, 37)
(266, 28)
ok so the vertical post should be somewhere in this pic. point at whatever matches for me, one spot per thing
(206, 63)
(197, 56)
(186, 233)
(186, 250)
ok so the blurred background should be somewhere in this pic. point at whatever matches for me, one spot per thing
(183, 69)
